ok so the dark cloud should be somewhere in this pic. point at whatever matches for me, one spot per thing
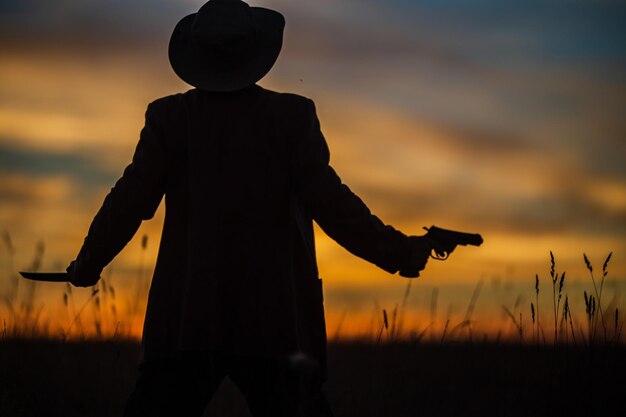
(72, 23)
(603, 152)
(486, 211)
(567, 30)
(81, 167)
(15, 196)
(482, 140)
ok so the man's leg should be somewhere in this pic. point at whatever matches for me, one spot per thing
(272, 389)
(179, 387)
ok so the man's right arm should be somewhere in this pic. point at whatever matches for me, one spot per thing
(342, 214)
(135, 197)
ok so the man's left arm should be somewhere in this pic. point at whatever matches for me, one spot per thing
(134, 198)
(341, 213)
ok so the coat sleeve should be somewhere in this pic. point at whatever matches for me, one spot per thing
(135, 197)
(339, 212)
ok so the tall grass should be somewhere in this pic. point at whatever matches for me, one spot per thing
(562, 318)
(22, 313)
(20, 301)
(565, 328)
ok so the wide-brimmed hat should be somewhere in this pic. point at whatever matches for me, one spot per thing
(227, 45)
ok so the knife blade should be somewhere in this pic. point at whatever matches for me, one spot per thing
(46, 276)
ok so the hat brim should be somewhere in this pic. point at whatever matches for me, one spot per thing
(193, 66)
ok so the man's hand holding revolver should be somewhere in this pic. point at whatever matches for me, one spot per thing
(439, 241)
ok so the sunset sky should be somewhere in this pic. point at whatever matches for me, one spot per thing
(503, 118)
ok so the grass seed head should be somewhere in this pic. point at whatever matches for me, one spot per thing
(561, 284)
(606, 263)
(589, 267)
(566, 310)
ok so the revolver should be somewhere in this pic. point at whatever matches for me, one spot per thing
(443, 241)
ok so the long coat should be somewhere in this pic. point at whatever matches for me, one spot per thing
(243, 174)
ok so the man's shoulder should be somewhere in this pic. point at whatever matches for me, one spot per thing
(285, 102)
(165, 103)
(289, 99)
(293, 109)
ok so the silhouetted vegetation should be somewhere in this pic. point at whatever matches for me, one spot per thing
(394, 371)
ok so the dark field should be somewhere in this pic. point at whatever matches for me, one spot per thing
(46, 378)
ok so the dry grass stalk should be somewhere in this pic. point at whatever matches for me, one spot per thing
(558, 305)
(537, 303)
(443, 335)
(619, 332)
(590, 310)
(433, 308)
(384, 326)
(518, 326)
(117, 326)
(604, 274)
(532, 316)
(598, 294)
(471, 306)
(97, 317)
(394, 314)
(73, 317)
(403, 307)
(10, 298)
(27, 308)
(554, 276)
(571, 324)
(418, 338)
(91, 297)
(340, 325)
(563, 320)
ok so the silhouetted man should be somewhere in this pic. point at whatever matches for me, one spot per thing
(244, 172)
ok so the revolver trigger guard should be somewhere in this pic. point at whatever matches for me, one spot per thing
(439, 256)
